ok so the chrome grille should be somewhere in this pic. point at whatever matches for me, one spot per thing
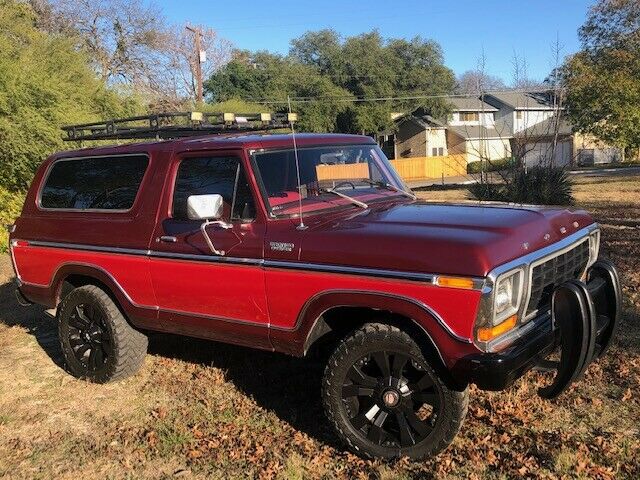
(554, 271)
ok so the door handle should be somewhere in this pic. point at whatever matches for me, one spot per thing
(167, 238)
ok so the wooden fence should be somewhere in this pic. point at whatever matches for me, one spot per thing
(409, 169)
(421, 168)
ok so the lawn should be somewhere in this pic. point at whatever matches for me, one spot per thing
(205, 410)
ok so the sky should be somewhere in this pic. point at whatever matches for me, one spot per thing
(463, 28)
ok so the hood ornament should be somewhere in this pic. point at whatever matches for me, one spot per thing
(525, 245)
(547, 237)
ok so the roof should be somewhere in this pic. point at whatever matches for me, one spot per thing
(253, 141)
(424, 121)
(469, 104)
(521, 100)
(548, 128)
(473, 132)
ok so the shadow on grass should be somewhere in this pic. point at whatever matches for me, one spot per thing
(31, 318)
(288, 386)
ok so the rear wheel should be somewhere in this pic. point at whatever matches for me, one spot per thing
(384, 399)
(97, 341)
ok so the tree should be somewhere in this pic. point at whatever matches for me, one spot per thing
(44, 84)
(265, 76)
(182, 61)
(121, 37)
(475, 81)
(129, 42)
(603, 79)
(337, 78)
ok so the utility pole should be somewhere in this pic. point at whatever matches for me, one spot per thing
(198, 65)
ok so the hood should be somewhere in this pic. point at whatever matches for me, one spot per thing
(454, 239)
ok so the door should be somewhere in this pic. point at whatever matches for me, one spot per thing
(198, 292)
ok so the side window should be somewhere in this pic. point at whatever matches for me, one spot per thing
(207, 175)
(97, 183)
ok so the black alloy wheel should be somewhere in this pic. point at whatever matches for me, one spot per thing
(385, 400)
(97, 341)
(88, 337)
(392, 399)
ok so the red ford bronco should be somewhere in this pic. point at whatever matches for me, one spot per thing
(286, 243)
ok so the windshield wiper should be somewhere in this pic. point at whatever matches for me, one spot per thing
(346, 197)
(388, 186)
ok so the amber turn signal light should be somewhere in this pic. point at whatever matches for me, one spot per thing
(455, 282)
(486, 334)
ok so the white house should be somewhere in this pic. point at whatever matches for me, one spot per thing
(532, 122)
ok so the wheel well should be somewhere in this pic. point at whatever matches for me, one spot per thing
(74, 281)
(331, 327)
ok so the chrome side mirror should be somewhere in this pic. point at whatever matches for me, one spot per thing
(210, 209)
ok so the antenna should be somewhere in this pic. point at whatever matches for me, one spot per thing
(301, 225)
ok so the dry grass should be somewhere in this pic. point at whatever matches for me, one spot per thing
(205, 410)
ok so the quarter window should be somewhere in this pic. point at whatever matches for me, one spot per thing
(97, 183)
(208, 175)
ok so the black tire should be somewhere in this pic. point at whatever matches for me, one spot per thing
(410, 385)
(98, 343)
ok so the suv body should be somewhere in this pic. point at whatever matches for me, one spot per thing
(390, 269)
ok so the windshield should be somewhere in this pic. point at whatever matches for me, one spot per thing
(329, 177)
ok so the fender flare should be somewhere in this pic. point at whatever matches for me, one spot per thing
(311, 325)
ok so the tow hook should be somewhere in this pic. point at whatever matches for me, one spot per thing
(586, 316)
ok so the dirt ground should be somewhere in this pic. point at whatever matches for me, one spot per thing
(205, 410)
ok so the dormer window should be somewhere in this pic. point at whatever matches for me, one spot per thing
(469, 117)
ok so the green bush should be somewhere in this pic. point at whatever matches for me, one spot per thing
(10, 207)
(539, 185)
(489, 166)
(45, 83)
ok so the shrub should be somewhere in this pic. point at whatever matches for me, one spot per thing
(490, 166)
(10, 207)
(539, 185)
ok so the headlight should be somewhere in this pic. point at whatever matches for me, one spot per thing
(594, 246)
(506, 299)
(502, 316)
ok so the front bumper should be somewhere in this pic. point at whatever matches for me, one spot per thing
(582, 322)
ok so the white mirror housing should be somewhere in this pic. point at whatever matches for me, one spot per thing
(205, 207)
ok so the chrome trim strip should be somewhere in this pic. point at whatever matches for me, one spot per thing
(89, 248)
(372, 272)
(427, 278)
(205, 258)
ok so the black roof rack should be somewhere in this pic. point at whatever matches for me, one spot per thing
(176, 125)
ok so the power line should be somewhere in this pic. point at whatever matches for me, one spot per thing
(328, 98)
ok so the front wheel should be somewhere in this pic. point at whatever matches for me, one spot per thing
(384, 399)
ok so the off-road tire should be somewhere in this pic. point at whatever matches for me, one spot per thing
(127, 347)
(378, 337)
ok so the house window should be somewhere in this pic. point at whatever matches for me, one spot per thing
(437, 151)
(469, 116)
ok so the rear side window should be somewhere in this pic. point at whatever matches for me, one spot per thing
(98, 183)
(207, 175)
